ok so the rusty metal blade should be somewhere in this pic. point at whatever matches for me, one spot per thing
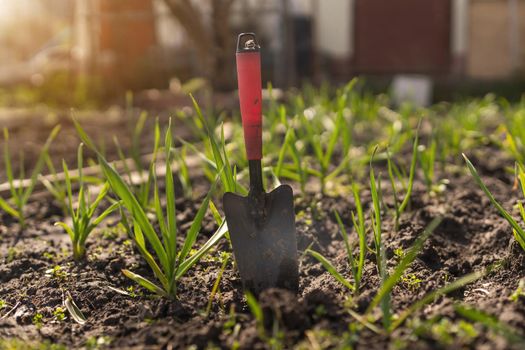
(265, 253)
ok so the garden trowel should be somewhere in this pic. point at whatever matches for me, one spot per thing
(261, 225)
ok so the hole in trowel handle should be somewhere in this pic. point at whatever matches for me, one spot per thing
(247, 42)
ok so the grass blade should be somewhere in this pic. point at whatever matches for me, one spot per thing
(7, 164)
(192, 260)
(191, 236)
(491, 322)
(412, 173)
(349, 252)
(407, 259)
(130, 202)
(359, 224)
(39, 164)
(459, 283)
(74, 310)
(8, 209)
(330, 268)
(226, 178)
(141, 245)
(171, 237)
(144, 282)
(520, 231)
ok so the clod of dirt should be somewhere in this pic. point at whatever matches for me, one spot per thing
(283, 306)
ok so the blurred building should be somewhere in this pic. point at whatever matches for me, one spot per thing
(143, 43)
(115, 37)
(496, 38)
(472, 38)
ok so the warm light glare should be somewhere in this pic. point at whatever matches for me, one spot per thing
(5, 8)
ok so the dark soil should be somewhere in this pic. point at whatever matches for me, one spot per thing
(472, 236)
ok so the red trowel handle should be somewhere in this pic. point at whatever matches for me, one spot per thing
(249, 79)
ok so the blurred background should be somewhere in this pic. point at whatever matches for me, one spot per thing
(89, 53)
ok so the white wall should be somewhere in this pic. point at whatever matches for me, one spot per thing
(459, 29)
(334, 26)
(168, 31)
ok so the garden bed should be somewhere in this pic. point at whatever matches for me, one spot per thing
(37, 272)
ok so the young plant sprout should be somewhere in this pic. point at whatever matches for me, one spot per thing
(375, 217)
(169, 262)
(331, 118)
(324, 145)
(517, 230)
(54, 186)
(143, 189)
(427, 157)
(83, 216)
(356, 263)
(184, 172)
(298, 171)
(16, 205)
(394, 174)
(389, 281)
(216, 157)
(514, 132)
(358, 220)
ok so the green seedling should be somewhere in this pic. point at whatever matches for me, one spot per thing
(95, 343)
(56, 272)
(12, 253)
(357, 267)
(428, 160)
(297, 172)
(518, 294)
(73, 309)
(38, 320)
(375, 217)
(7, 343)
(135, 141)
(15, 206)
(427, 157)
(399, 253)
(184, 173)
(257, 313)
(356, 264)
(358, 221)
(393, 174)
(375, 189)
(445, 331)
(324, 144)
(216, 156)
(225, 259)
(331, 269)
(59, 314)
(514, 142)
(83, 214)
(517, 230)
(313, 138)
(383, 295)
(142, 190)
(411, 282)
(173, 262)
(512, 335)
(276, 338)
(431, 296)
(55, 187)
